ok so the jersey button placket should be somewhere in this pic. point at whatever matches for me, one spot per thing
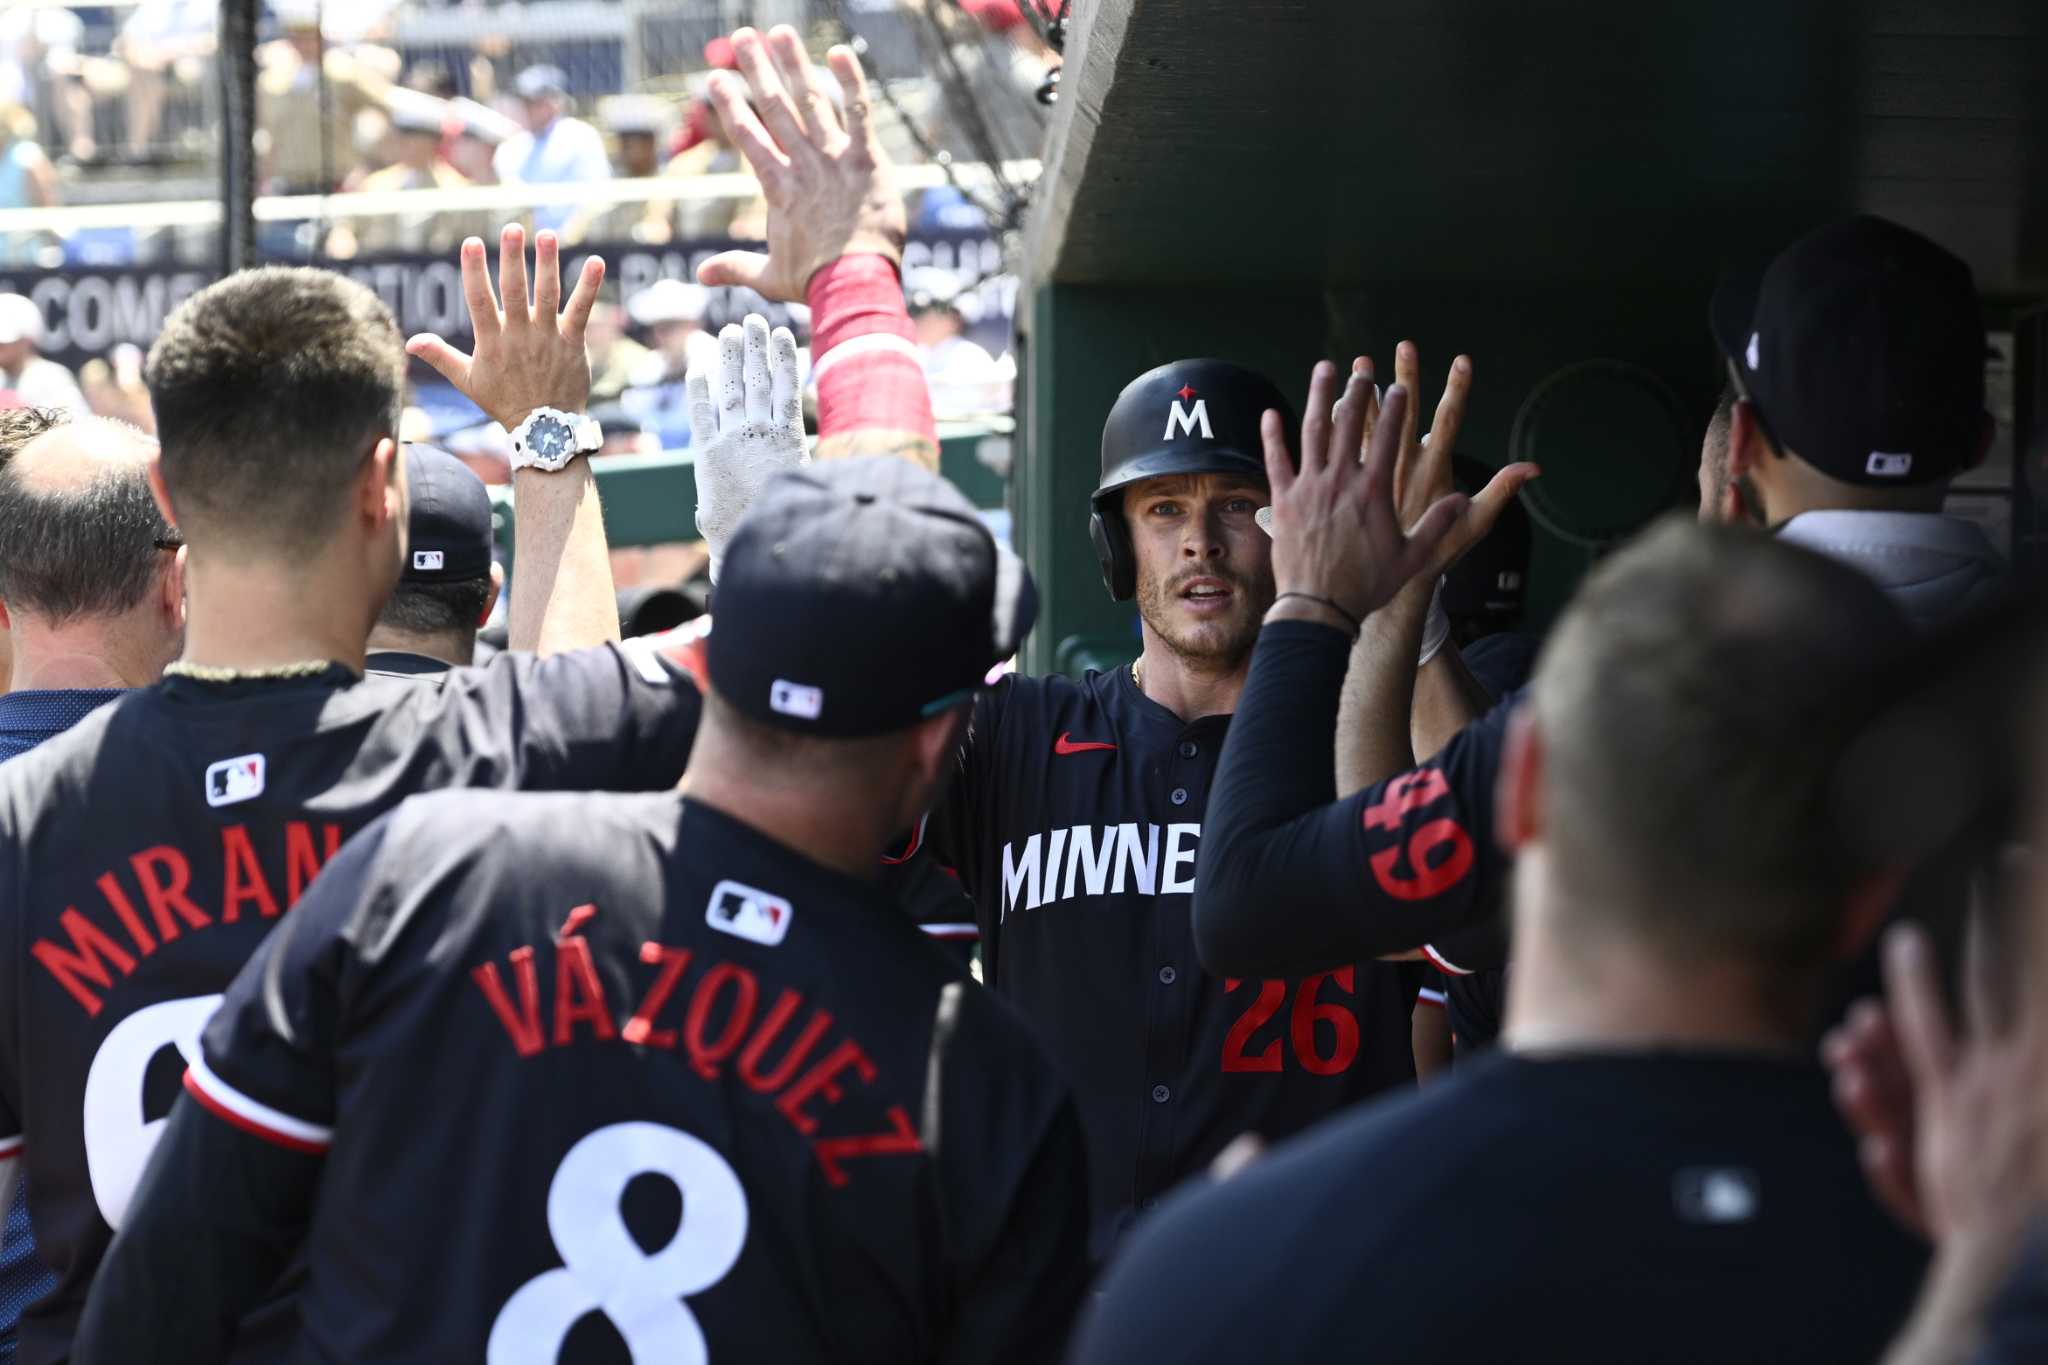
(1179, 796)
(1167, 976)
(1161, 1094)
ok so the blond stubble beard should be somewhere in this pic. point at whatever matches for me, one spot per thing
(1226, 642)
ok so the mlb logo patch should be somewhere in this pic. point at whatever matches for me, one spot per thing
(234, 779)
(786, 698)
(1889, 464)
(748, 912)
(427, 560)
(1717, 1194)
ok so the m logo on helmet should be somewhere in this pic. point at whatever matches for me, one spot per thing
(1185, 420)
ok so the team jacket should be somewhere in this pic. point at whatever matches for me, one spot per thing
(510, 1040)
(1074, 824)
(147, 851)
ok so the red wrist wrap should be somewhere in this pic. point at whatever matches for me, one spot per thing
(863, 355)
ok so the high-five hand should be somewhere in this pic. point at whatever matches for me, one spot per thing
(830, 189)
(746, 425)
(1337, 535)
(1423, 472)
(1423, 468)
(529, 354)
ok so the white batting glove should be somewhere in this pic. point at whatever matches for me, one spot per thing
(752, 433)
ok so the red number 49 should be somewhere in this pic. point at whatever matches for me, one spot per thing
(1443, 840)
(1308, 1011)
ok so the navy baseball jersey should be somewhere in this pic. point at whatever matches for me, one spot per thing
(513, 1036)
(1074, 824)
(148, 850)
(1682, 1206)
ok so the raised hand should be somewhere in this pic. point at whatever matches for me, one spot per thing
(1874, 1091)
(830, 189)
(1422, 468)
(1337, 534)
(746, 425)
(1423, 472)
(529, 353)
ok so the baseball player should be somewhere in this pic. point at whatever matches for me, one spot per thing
(1076, 819)
(477, 1069)
(146, 852)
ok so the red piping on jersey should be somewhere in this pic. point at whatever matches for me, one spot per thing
(248, 1125)
(11, 1147)
(1442, 964)
(910, 849)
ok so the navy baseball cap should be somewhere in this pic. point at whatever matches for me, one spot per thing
(1862, 349)
(448, 527)
(860, 596)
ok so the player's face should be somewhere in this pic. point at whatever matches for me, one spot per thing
(1205, 569)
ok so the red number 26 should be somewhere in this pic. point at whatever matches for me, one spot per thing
(1302, 1034)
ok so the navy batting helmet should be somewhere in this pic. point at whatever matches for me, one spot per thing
(1186, 417)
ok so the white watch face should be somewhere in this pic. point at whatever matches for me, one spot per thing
(549, 438)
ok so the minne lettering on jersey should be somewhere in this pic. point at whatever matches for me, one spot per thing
(717, 1020)
(147, 902)
(1099, 860)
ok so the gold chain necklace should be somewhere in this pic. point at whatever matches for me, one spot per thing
(308, 668)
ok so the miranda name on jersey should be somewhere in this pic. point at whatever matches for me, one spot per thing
(1100, 860)
(160, 907)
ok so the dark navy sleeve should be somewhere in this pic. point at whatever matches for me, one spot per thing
(1012, 1163)
(1293, 881)
(612, 718)
(266, 1060)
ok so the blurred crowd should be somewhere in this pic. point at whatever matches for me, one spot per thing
(347, 110)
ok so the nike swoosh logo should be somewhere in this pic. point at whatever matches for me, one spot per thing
(1064, 746)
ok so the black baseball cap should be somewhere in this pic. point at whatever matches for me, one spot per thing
(1862, 349)
(448, 528)
(861, 596)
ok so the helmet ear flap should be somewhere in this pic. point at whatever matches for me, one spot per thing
(1113, 551)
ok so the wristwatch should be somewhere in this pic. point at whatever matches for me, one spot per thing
(549, 438)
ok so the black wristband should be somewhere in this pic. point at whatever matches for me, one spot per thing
(1356, 624)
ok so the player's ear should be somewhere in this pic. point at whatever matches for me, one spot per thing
(159, 491)
(171, 591)
(380, 490)
(1518, 800)
(936, 743)
(1745, 441)
(1869, 900)
(497, 591)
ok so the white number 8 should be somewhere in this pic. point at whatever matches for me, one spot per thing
(117, 1141)
(604, 1269)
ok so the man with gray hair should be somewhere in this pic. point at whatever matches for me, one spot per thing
(91, 595)
(90, 588)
